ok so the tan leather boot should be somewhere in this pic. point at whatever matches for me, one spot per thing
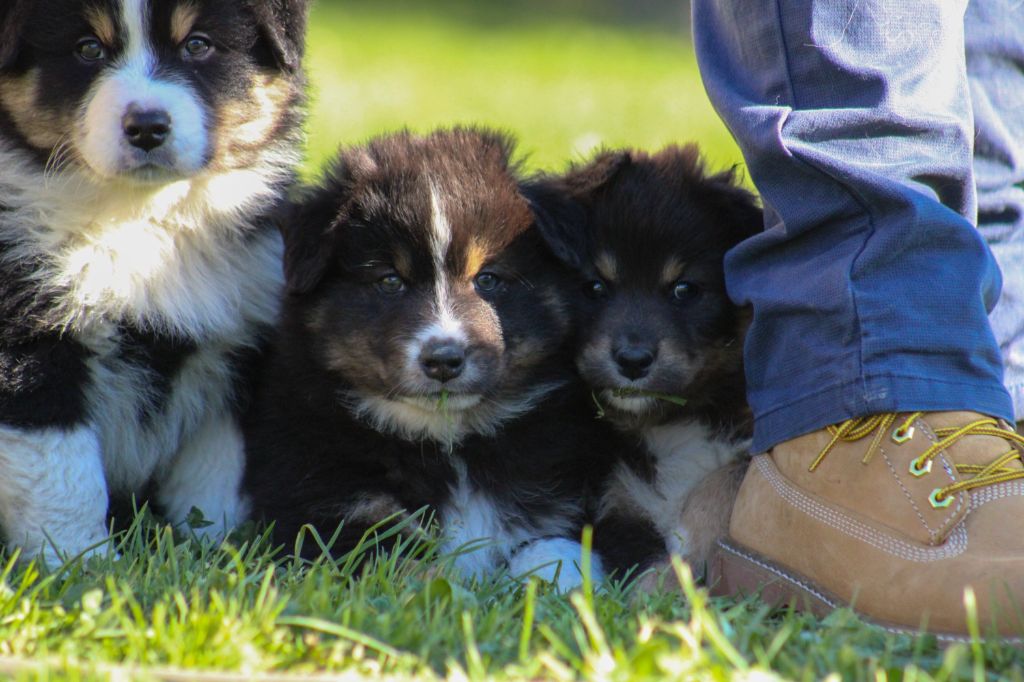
(894, 515)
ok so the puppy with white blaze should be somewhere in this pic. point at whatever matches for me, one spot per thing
(660, 345)
(145, 146)
(424, 361)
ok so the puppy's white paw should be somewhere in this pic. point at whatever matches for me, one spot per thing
(556, 560)
(53, 493)
(207, 475)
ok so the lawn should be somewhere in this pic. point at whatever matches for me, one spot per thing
(179, 609)
(565, 77)
(563, 83)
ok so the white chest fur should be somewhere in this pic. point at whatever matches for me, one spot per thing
(136, 444)
(179, 259)
(230, 293)
(473, 527)
(684, 453)
(174, 258)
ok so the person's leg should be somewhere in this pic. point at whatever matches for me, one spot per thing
(871, 289)
(870, 285)
(995, 67)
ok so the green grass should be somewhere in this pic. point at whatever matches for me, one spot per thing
(565, 77)
(170, 605)
(563, 85)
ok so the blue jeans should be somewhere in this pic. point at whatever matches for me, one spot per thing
(873, 281)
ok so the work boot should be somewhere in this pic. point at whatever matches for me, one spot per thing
(895, 515)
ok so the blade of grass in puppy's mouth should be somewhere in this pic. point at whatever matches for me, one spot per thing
(445, 401)
(622, 395)
(626, 392)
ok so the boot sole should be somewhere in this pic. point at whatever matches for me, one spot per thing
(736, 570)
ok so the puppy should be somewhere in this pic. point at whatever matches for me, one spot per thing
(144, 146)
(661, 344)
(424, 361)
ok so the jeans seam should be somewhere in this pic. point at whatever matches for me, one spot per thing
(858, 324)
(785, 55)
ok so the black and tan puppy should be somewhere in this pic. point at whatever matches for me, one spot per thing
(424, 361)
(661, 343)
(144, 146)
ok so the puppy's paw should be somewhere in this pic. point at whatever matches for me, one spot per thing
(556, 560)
(657, 579)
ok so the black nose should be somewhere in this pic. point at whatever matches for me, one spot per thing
(634, 361)
(146, 130)
(443, 361)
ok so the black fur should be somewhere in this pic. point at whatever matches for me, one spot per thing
(283, 26)
(42, 370)
(647, 235)
(248, 35)
(312, 457)
(13, 14)
(644, 211)
(112, 367)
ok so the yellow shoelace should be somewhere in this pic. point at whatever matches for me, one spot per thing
(880, 424)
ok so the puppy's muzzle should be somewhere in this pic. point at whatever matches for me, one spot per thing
(634, 360)
(146, 129)
(443, 360)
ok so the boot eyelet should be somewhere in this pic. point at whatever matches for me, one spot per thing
(936, 502)
(918, 469)
(900, 437)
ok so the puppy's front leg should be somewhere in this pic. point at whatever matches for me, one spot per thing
(53, 493)
(207, 474)
(705, 516)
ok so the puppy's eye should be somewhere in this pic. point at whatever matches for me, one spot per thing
(487, 282)
(391, 284)
(90, 50)
(596, 289)
(197, 46)
(684, 291)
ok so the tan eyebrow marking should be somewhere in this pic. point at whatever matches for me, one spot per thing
(606, 266)
(475, 258)
(102, 25)
(403, 262)
(182, 21)
(672, 271)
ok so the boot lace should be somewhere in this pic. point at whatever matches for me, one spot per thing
(879, 425)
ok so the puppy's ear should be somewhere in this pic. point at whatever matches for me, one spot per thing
(13, 15)
(560, 204)
(739, 208)
(560, 220)
(282, 26)
(739, 212)
(583, 180)
(498, 143)
(308, 249)
(310, 226)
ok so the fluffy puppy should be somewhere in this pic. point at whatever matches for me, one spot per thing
(143, 147)
(424, 360)
(660, 344)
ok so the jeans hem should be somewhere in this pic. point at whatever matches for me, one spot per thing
(873, 395)
(1017, 395)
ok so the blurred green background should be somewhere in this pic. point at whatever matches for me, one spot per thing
(565, 76)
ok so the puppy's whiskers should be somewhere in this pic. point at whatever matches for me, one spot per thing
(60, 157)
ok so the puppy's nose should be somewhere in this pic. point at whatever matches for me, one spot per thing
(443, 361)
(146, 130)
(634, 361)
